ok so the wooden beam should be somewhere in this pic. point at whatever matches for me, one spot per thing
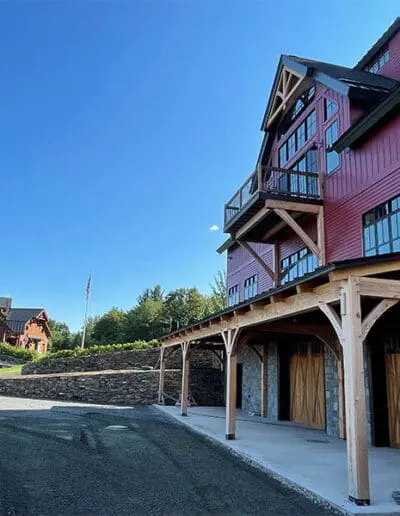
(342, 405)
(308, 242)
(379, 287)
(374, 315)
(255, 219)
(333, 318)
(321, 235)
(276, 263)
(301, 207)
(356, 420)
(293, 305)
(288, 83)
(264, 382)
(365, 270)
(185, 379)
(257, 257)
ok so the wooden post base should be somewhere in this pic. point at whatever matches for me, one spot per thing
(230, 437)
(358, 501)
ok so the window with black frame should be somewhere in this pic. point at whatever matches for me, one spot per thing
(297, 265)
(250, 287)
(381, 229)
(332, 157)
(233, 295)
(298, 139)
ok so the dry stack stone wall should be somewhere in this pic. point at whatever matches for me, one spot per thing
(114, 387)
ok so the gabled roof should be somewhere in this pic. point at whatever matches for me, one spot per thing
(18, 317)
(353, 83)
(350, 76)
(23, 314)
(379, 45)
(388, 106)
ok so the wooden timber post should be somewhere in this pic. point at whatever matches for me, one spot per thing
(230, 338)
(264, 382)
(162, 376)
(355, 404)
(185, 378)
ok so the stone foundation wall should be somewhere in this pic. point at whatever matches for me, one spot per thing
(273, 381)
(118, 360)
(115, 387)
(331, 392)
(251, 386)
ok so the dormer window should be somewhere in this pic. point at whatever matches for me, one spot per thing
(379, 62)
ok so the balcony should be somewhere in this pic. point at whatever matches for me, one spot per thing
(270, 189)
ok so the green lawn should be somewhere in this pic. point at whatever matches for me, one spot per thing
(15, 369)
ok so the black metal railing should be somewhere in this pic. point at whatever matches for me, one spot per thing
(274, 181)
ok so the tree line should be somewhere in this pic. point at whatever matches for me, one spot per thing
(155, 313)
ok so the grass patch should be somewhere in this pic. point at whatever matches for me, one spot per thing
(15, 369)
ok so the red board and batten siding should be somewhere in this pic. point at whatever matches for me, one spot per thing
(240, 265)
(366, 177)
(369, 176)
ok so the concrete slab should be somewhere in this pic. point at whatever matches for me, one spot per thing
(307, 459)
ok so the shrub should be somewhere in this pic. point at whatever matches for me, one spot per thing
(21, 353)
(94, 350)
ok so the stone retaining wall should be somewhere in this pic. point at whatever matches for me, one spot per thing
(118, 360)
(115, 387)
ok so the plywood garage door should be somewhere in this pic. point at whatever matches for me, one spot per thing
(307, 391)
(393, 392)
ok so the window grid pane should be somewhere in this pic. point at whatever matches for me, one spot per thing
(381, 233)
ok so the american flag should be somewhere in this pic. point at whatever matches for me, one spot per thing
(88, 286)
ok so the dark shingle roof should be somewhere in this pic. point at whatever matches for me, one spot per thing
(378, 46)
(350, 76)
(22, 315)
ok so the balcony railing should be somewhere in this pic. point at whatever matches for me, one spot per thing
(274, 182)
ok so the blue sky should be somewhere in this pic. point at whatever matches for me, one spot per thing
(125, 126)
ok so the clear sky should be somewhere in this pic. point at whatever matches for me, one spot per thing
(125, 126)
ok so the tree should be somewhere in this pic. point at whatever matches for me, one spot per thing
(109, 329)
(144, 321)
(218, 288)
(60, 335)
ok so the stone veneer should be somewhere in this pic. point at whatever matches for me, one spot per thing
(115, 387)
(132, 359)
(331, 392)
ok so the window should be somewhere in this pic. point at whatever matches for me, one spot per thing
(381, 228)
(295, 111)
(297, 265)
(332, 157)
(311, 125)
(297, 140)
(330, 108)
(233, 295)
(250, 287)
(379, 62)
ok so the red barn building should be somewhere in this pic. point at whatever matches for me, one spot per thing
(310, 331)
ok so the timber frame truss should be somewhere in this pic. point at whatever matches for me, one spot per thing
(286, 211)
(338, 294)
(288, 82)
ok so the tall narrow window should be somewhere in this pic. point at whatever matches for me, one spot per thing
(250, 287)
(233, 295)
(330, 108)
(332, 157)
(381, 228)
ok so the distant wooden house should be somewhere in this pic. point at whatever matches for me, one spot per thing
(28, 328)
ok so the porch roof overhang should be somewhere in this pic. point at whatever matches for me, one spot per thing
(299, 296)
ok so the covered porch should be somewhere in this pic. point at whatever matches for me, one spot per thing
(307, 459)
(337, 305)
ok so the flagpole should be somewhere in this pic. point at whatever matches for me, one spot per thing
(86, 312)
